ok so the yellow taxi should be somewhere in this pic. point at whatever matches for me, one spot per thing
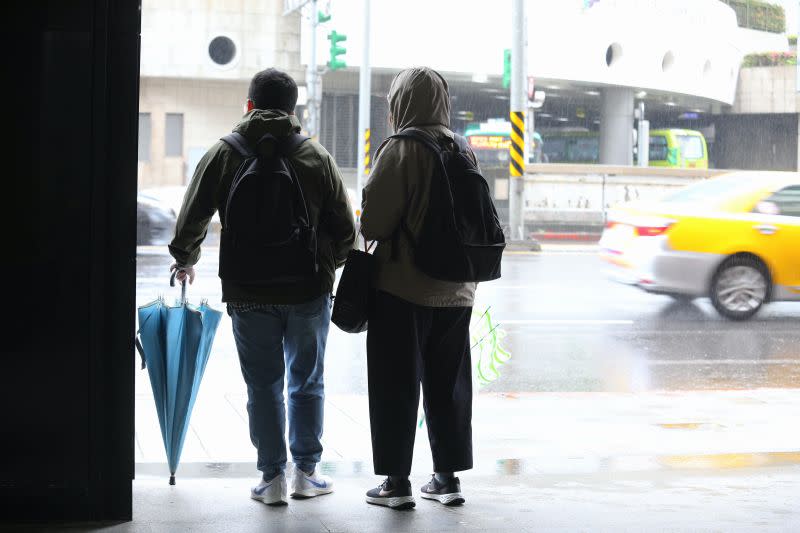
(734, 238)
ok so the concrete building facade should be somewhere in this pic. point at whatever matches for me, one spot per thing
(196, 64)
(676, 56)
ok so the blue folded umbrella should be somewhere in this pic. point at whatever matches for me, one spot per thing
(175, 343)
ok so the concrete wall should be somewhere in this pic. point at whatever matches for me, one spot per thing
(210, 110)
(571, 198)
(756, 142)
(767, 90)
(761, 130)
(176, 35)
(660, 45)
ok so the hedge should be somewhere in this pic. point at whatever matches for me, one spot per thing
(769, 59)
(758, 15)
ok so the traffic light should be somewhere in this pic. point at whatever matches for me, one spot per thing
(335, 63)
(506, 68)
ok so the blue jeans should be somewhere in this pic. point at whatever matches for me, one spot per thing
(269, 340)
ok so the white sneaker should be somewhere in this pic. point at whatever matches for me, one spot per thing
(272, 492)
(305, 486)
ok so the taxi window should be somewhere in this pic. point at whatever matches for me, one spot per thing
(718, 189)
(787, 201)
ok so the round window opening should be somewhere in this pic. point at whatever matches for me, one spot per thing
(668, 61)
(222, 50)
(613, 54)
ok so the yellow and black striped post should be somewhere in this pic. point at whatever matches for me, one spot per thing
(517, 149)
(366, 152)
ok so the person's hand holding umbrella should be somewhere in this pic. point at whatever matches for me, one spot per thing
(183, 272)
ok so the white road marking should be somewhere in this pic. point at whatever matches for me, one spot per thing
(540, 286)
(671, 362)
(566, 322)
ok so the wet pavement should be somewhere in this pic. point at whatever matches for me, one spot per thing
(600, 376)
(569, 329)
(618, 411)
(760, 500)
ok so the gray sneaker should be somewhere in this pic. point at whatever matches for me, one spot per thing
(395, 497)
(448, 493)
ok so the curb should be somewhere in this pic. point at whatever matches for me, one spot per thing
(567, 236)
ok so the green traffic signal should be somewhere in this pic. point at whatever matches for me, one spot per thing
(506, 68)
(322, 18)
(335, 38)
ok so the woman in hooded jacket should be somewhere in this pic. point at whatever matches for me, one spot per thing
(418, 326)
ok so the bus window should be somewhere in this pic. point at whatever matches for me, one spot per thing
(585, 150)
(555, 149)
(691, 146)
(658, 148)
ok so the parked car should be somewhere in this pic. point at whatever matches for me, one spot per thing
(734, 238)
(155, 222)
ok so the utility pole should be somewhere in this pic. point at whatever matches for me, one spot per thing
(313, 80)
(364, 101)
(642, 138)
(518, 103)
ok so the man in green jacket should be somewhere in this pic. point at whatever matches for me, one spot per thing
(276, 326)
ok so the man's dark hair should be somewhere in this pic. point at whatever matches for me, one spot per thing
(273, 89)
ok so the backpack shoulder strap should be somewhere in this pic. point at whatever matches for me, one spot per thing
(290, 144)
(238, 142)
(419, 136)
(461, 143)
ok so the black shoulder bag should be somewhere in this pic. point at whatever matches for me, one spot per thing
(354, 293)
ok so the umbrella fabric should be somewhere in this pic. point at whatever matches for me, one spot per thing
(175, 343)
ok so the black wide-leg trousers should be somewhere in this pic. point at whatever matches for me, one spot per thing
(408, 344)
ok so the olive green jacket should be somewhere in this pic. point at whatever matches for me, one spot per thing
(326, 198)
(399, 189)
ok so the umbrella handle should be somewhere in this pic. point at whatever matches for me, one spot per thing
(140, 349)
(183, 284)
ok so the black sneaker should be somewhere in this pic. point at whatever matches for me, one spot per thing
(396, 497)
(448, 493)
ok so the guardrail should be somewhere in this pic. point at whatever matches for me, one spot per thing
(571, 199)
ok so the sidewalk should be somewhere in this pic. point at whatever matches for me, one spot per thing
(697, 461)
(536, 433)
(762, 500)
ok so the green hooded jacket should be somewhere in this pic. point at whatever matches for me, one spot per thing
(326, 198)
(399, 189)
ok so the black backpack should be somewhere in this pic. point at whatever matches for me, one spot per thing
(267, 237)
(461, 238)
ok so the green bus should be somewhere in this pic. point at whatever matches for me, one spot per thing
(491, 141)
(671, 147)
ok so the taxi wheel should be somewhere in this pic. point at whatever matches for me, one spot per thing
(740, 287)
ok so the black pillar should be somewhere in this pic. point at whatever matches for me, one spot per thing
(68, 269)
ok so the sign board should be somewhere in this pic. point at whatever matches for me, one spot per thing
(489, 142)
(531, 88)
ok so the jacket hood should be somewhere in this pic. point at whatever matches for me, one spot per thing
(419, 97)
(258, 122)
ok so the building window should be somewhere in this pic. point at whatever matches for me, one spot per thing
(144, 137)
(173, 135)
(221, 50)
